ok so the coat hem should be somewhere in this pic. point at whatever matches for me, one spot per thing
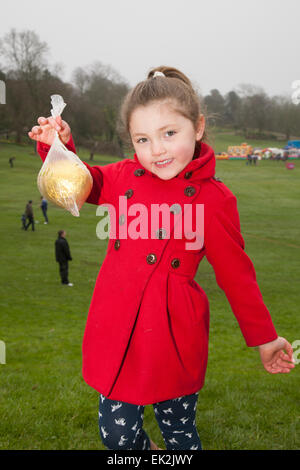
(151, 401)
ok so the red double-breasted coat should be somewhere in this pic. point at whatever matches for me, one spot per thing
(146, 336)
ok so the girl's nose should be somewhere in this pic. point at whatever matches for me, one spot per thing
(157, 149)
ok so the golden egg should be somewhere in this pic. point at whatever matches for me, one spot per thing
(67, 183)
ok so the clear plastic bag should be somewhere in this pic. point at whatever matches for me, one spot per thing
(64, 179)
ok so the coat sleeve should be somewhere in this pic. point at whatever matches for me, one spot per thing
(235, 274)
(103, 176)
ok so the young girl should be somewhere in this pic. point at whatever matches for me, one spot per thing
(146, 337)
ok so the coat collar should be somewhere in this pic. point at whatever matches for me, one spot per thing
(202, 165)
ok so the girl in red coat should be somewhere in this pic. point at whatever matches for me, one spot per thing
(146, 337)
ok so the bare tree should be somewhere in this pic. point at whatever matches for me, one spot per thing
(216, 105)
(24, 53)
(287, 116)
(24, 58)
(100, 90)
(232, 109)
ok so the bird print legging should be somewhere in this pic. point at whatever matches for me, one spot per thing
(121, 424)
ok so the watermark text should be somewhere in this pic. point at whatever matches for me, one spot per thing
(2, 353)
(296, 93)
(296, 354)
(188, 222)
(2, 92)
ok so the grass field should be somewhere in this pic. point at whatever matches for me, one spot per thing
(44, 402)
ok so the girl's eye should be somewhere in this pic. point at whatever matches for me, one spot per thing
(141, 140)
(170, 133)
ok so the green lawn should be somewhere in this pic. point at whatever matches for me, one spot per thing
(44, 402)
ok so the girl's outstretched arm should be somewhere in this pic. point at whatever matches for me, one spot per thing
(235, 274)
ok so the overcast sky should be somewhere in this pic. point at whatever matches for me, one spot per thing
(216, 43)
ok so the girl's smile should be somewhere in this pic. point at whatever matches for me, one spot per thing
(164, 139)
(164, 163)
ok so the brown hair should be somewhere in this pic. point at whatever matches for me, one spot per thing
(174, 86)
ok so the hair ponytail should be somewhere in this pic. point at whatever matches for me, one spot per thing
(170, 72)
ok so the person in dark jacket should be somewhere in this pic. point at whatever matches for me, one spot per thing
(44, 207)
(29, 215)
(63, 255)
(11, 161)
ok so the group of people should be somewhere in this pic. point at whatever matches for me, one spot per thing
(62, 249)
(28, 214)
(251, 158)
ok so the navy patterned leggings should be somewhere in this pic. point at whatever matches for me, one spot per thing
(121, 424)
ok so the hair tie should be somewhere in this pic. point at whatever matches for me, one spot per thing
(158, 74)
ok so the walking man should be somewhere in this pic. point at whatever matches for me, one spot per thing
(29, 215)
(44, 207)
(11, 161)
(63, 255)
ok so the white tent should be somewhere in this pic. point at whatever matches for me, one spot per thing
(276, 151)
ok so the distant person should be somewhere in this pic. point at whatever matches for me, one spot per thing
(254, 157)
(44, 207)
(29, 215)
(11, 161)
(23, 218)
(249, 159)
(63, 255)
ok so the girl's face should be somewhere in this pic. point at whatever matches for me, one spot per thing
(163, 139)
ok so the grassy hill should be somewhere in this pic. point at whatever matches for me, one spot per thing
(221, 139)
(44, 402)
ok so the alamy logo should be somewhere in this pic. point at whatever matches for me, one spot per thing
(147, 225)
(2, 353)
(2, 92)
(296, 93)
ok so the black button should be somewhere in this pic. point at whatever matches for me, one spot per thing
(188, 174)
(151, 258)
(175, 208)
(189, 191)
(129, 193)
(122, 219)
(175, 263)
(139, 172)
(117, 244)
(161, 233)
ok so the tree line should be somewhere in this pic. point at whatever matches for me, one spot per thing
(253, 114)
(95, 93)
(93, 97)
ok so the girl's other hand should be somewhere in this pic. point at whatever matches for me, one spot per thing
(277, 356)
(45, 132)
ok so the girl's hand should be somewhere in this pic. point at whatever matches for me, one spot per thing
(45, 132)
(273, 357)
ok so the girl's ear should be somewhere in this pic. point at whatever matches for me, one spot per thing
(200, 127)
